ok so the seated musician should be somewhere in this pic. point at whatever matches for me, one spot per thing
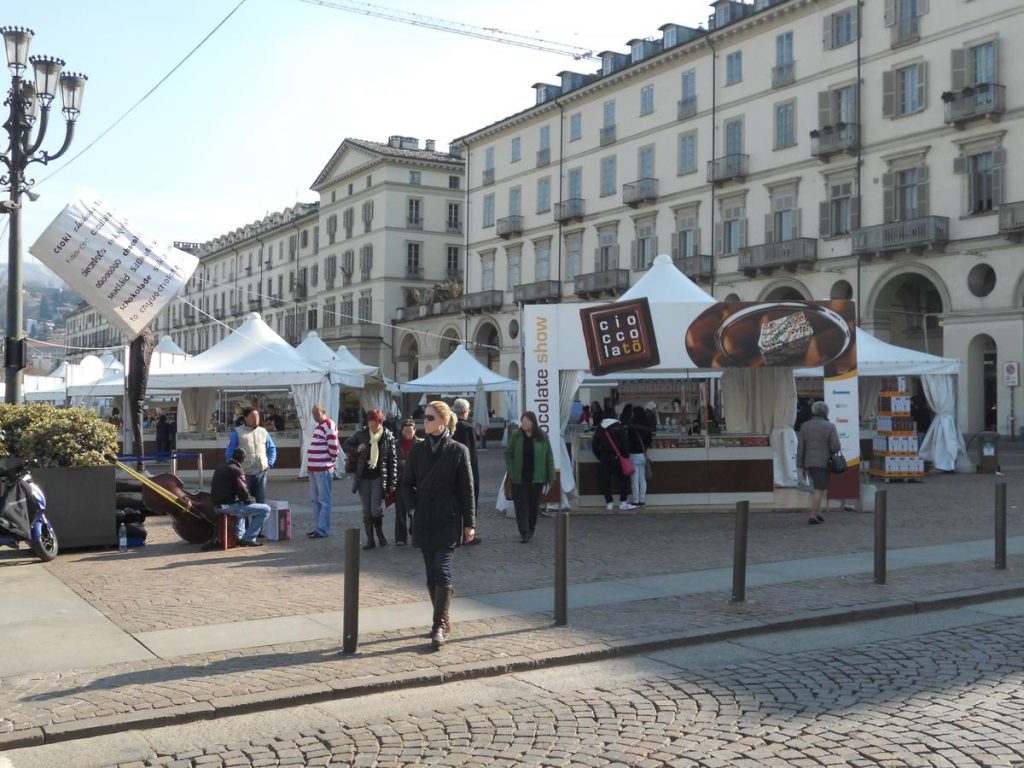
(231, 496)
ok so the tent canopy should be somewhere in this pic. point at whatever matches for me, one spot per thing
(353, 363)
(664, 282)
(313, 349)
(167, 346)
(879, 358)
(252, 357)
(460, 374)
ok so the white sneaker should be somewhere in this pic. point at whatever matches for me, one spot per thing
(609, 506)
(627, 505)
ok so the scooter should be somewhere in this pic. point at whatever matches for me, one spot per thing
(23, 510)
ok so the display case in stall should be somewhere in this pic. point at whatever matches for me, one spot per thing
(689, 469)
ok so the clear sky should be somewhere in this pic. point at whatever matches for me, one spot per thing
(246, 124)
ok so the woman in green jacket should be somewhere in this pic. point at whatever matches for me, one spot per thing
(531, 468)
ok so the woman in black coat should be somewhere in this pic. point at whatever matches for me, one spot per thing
(439, 479)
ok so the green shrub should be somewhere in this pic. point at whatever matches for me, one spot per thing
(57, 437)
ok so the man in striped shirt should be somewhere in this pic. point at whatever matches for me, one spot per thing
(320, 457)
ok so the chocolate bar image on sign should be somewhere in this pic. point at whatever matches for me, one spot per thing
(786, 339)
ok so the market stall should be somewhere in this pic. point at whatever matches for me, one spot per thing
(877, 359)
(253, 358)
(652, 331)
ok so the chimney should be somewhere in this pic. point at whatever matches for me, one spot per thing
(430, 145)
(408, 142)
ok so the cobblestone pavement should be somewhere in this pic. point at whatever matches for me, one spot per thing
(949, 698)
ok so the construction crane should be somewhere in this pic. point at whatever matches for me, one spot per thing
(457, 28)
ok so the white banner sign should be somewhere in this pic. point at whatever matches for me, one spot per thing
(123, 273)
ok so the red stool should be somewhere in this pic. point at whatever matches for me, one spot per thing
(228, 530)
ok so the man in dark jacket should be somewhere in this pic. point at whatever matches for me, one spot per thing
(465, 433)
(230, 495)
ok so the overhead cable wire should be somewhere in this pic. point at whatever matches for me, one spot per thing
(148, 93)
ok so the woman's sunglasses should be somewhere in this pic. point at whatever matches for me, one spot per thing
(429, 417)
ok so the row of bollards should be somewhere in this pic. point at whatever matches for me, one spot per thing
(350, 627)
(739, 562)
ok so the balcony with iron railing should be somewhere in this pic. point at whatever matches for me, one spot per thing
(453, 276)
(831, 139)
(543, 157)
(404, 314)
(641, 191)
(697, 267)
(732, 167)
(454, 226)
(509, 226)
(906, 31)
(783, 74)
(254, 303)
(610, 281)
(607, 135)
(924, 232)
(537, 293)
(687, 107)
(572, 209)
(984, 100)
(414, 222)
(1011, 220)
(482, 301)
(276, 301)
(488, 176)
(299, 291)
(787, 253)
(414, 271)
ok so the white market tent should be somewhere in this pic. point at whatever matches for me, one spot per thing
(167, 346)
(664, 283)
(252, 357)
(353, 363)
(876, 358)
(313, 349)
(459, 374)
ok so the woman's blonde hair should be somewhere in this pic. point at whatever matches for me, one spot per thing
(446, 414)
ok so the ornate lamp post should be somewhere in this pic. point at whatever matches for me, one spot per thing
(28, 102)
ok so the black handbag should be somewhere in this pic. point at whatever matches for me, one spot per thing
(837, 463)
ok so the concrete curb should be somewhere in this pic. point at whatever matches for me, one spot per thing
(346, 689)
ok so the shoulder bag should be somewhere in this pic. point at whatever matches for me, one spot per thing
(837, 463)
(625, 463)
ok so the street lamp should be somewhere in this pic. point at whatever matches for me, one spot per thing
(28, 101)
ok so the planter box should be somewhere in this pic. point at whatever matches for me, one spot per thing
(80, 503)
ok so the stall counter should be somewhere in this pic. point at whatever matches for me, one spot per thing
(689, 470)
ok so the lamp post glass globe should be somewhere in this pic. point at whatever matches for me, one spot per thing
(47, 73)
(16, 42)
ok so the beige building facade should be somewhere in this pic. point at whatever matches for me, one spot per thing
(795, 149)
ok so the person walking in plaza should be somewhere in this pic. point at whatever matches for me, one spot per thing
(321, 454)
(376, 472)
(817, 441)
(610, 444)
(230, 494)
(439, 479)
(403, 500)
(531, 470)
(465, 433)
(260, 453)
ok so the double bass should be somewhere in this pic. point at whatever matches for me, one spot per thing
(193, 516)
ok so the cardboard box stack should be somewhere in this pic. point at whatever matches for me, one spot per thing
(896, 444)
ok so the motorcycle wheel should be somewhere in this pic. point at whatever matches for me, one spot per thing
(46, 547)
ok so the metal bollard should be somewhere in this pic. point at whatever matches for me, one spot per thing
(881, 512)
(561, 568)
(739, 552)
(350, 608)
(1001, 526)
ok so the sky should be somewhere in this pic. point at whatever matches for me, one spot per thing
(247, 123)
